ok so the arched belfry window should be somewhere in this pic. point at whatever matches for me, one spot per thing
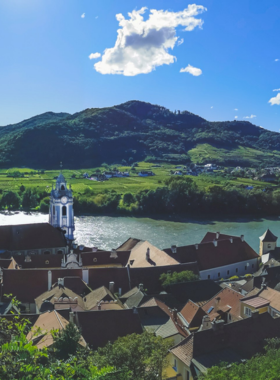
(64, 211)
(62, 187)
(53, 210)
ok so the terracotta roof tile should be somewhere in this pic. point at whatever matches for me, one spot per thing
(193, 314)
(208, 256)
(226, 297)
(256, 302)
(184, 350)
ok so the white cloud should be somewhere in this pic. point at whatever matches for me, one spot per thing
(96, 16)
(249, 117)
(236, 117)
(180, 41)
(211, 107)
(191, 70)
(94, 55)
(235, 109)
(83, 15)
(277, 89)
(142, 45)
(277, 59)
(275, 100)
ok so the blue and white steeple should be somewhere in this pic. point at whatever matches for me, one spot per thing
(61, 207)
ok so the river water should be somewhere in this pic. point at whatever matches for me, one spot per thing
(109, 232)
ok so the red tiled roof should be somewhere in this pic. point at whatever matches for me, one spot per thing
(269, 294)
(210, 236)
(256, 302)
(184, 350)
(30, 236)
(155, 302)
(227, 297)
(193, 314)
(209, 256)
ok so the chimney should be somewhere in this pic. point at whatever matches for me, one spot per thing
(217, 235)
(60, 282)
(242, 237)
(99, 306)
(196, 246)
(112, 287)
(206, 323)
(174, 249)
(217, 302)
(120, 292)
(218, 325)
(148, 254)
(215, 242)
(141, 287)
(80, 260)
(94, 249)
(85, 275)
(113, 254)
(49, 280)
(231, 240)
(71, 317)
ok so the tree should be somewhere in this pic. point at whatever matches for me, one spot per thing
(29, 199)
(174, 278)
(128, 198)
(11, 200)
(22, 360)
(143, 355)
(66, 341)
(22, 188)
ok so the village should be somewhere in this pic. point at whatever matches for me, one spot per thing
(230, 295)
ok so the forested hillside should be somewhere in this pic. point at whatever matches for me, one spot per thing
(134, 131)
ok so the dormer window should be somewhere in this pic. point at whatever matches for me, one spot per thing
(62, 187)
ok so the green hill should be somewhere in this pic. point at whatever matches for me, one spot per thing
(134, 131)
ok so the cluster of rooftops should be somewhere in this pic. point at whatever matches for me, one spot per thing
(223, 316)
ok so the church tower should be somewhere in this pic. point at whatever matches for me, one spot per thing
(61, 212)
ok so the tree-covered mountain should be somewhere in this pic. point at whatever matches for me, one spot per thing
(134, 131)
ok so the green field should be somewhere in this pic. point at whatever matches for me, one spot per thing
(131, 184)
(219, 155)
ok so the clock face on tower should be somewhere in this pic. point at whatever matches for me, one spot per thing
(64, 199)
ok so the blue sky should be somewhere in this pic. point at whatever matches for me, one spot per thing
(232, 47)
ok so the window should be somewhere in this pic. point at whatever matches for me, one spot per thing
(47, 253)
(268, 245)
(228, 272)
(175, 365)
(59, 252)
(219, 274)
(64, 211)
(187, 377)
(245, 267)
(247, 312)
(229, 317)
(236, 270)
(53, 210)
(209, 276)
(252, 265)
(62, 187)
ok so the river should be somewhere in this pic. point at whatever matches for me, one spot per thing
(109, 232)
